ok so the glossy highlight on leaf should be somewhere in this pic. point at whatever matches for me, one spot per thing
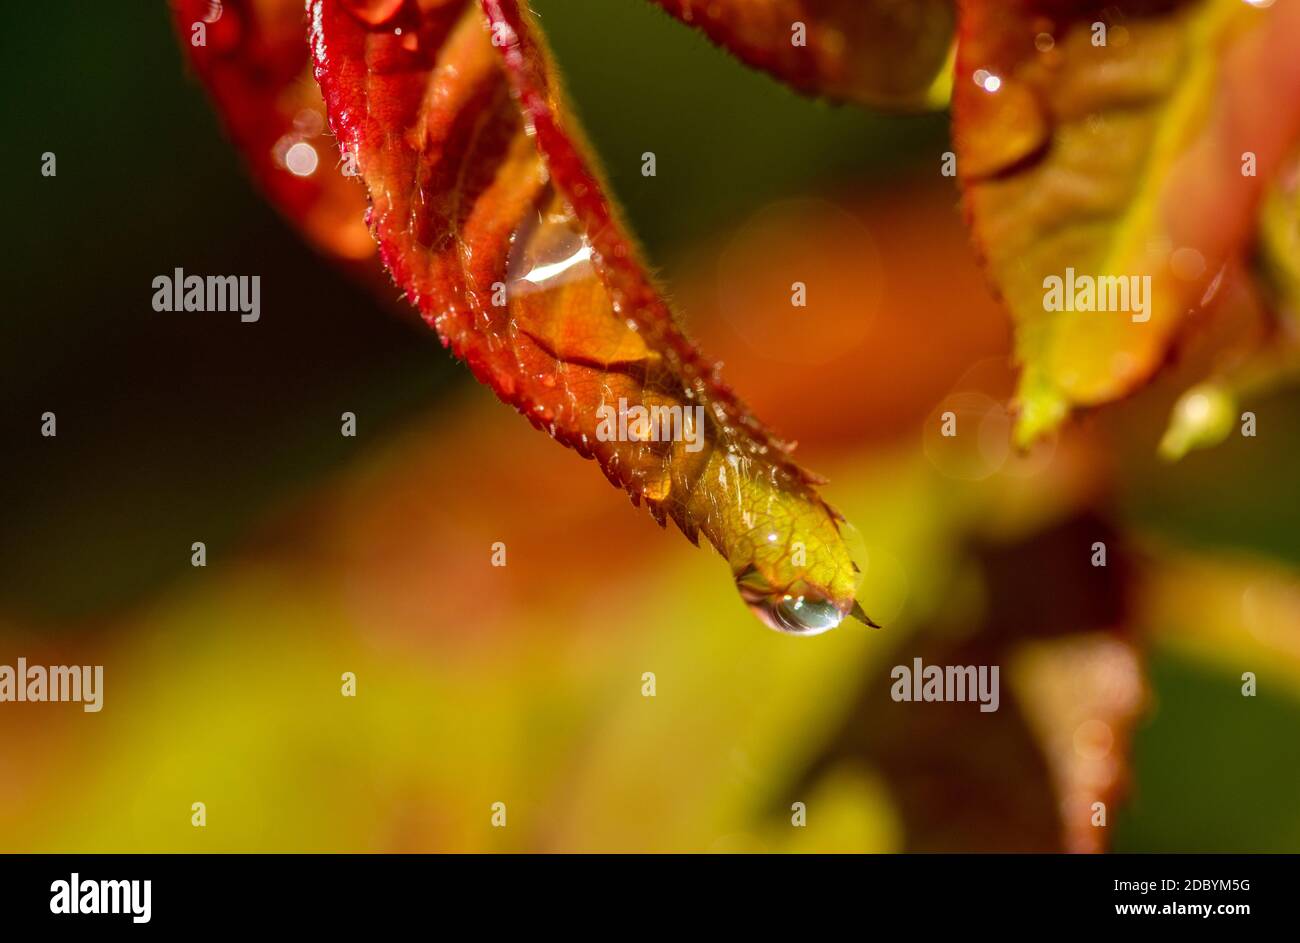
(490, 217)
(1116, 161)
(894, 54)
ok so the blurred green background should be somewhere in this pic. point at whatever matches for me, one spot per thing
(222, 683)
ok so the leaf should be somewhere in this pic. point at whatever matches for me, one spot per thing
(1122, 160)
(253, 60)
(894, 54)
(492, 220)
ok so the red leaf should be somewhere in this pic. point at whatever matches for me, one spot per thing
(885, 53)
(492, 219)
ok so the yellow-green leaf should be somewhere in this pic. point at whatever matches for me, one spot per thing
(1113, 156)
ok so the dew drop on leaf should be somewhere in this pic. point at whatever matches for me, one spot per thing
(549, 250)
(793, 615)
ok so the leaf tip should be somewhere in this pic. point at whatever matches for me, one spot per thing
(858, 613)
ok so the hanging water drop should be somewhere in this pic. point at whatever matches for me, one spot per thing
(793, 613)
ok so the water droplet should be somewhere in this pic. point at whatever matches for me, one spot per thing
(548, 252)
(556, 295)
(1003, 127)
(301, 159)
(794, 614)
